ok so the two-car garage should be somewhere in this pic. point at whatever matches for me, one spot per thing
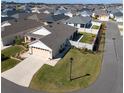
(41, 50)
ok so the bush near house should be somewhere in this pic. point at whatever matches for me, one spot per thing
(18, 40)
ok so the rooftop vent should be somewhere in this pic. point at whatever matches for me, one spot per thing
(58, 23)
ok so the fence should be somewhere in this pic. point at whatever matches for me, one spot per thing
(81, 45)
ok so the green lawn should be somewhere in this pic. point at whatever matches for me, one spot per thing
(7, 64)
(56, 79)
(95, 27)
(87, 37)
(11, 51)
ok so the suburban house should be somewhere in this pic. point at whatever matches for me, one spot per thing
(16, 27)
(50, 40)
(21, 15)
(54, 18)
(100, 14)
(6, 18)
(8, 12)
(117, 15)
(49, 11)
(35, 10)
(84, 12)
(79, 22)
(40, 17)
(64, 11)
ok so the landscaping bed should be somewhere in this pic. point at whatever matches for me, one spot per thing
(87, 38)
(86, 67)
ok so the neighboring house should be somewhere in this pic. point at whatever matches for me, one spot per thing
(117, 15)
(41, 17)
(8, 12)
(50, 40)
(17, 27)
(101, 15)
(84, 12)
(79, 22)
(35, 10)
(55, 18)
(64, 11)
(49, 11)
(6, 19)
(21, 15)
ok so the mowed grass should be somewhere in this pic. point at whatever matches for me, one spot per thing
(7, 64)
(87, 38)
(95, 27)
(8, 52)
(57, 79)
(11, 51)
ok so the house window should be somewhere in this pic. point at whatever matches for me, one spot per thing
(75, 25)
(81, 25)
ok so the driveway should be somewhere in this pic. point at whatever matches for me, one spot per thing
(22, 73)
(111, 77)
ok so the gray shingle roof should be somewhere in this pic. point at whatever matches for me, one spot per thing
(19, 26)
(53, 18)
(118, 14)
(60, 32)
(38, 17)
(100, 12)
(79, 20)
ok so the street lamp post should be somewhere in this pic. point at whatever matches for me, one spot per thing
(71, 59)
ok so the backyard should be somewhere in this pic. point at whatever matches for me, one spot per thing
(87, 37)
(95, 27)
(7, 54)
(86, 67)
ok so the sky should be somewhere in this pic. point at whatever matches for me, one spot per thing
(69, 1)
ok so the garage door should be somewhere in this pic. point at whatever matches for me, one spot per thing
(42, 53)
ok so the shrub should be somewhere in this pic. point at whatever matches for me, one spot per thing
(3, 57)
(18, 40)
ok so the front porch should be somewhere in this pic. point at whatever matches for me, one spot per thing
(28, 39)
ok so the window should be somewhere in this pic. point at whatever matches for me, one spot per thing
(81, 25)
(75, 25)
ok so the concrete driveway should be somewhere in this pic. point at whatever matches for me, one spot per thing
(22, 73)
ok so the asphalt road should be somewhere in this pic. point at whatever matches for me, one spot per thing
(110, 79)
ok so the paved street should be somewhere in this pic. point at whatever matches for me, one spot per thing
(111, 77)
